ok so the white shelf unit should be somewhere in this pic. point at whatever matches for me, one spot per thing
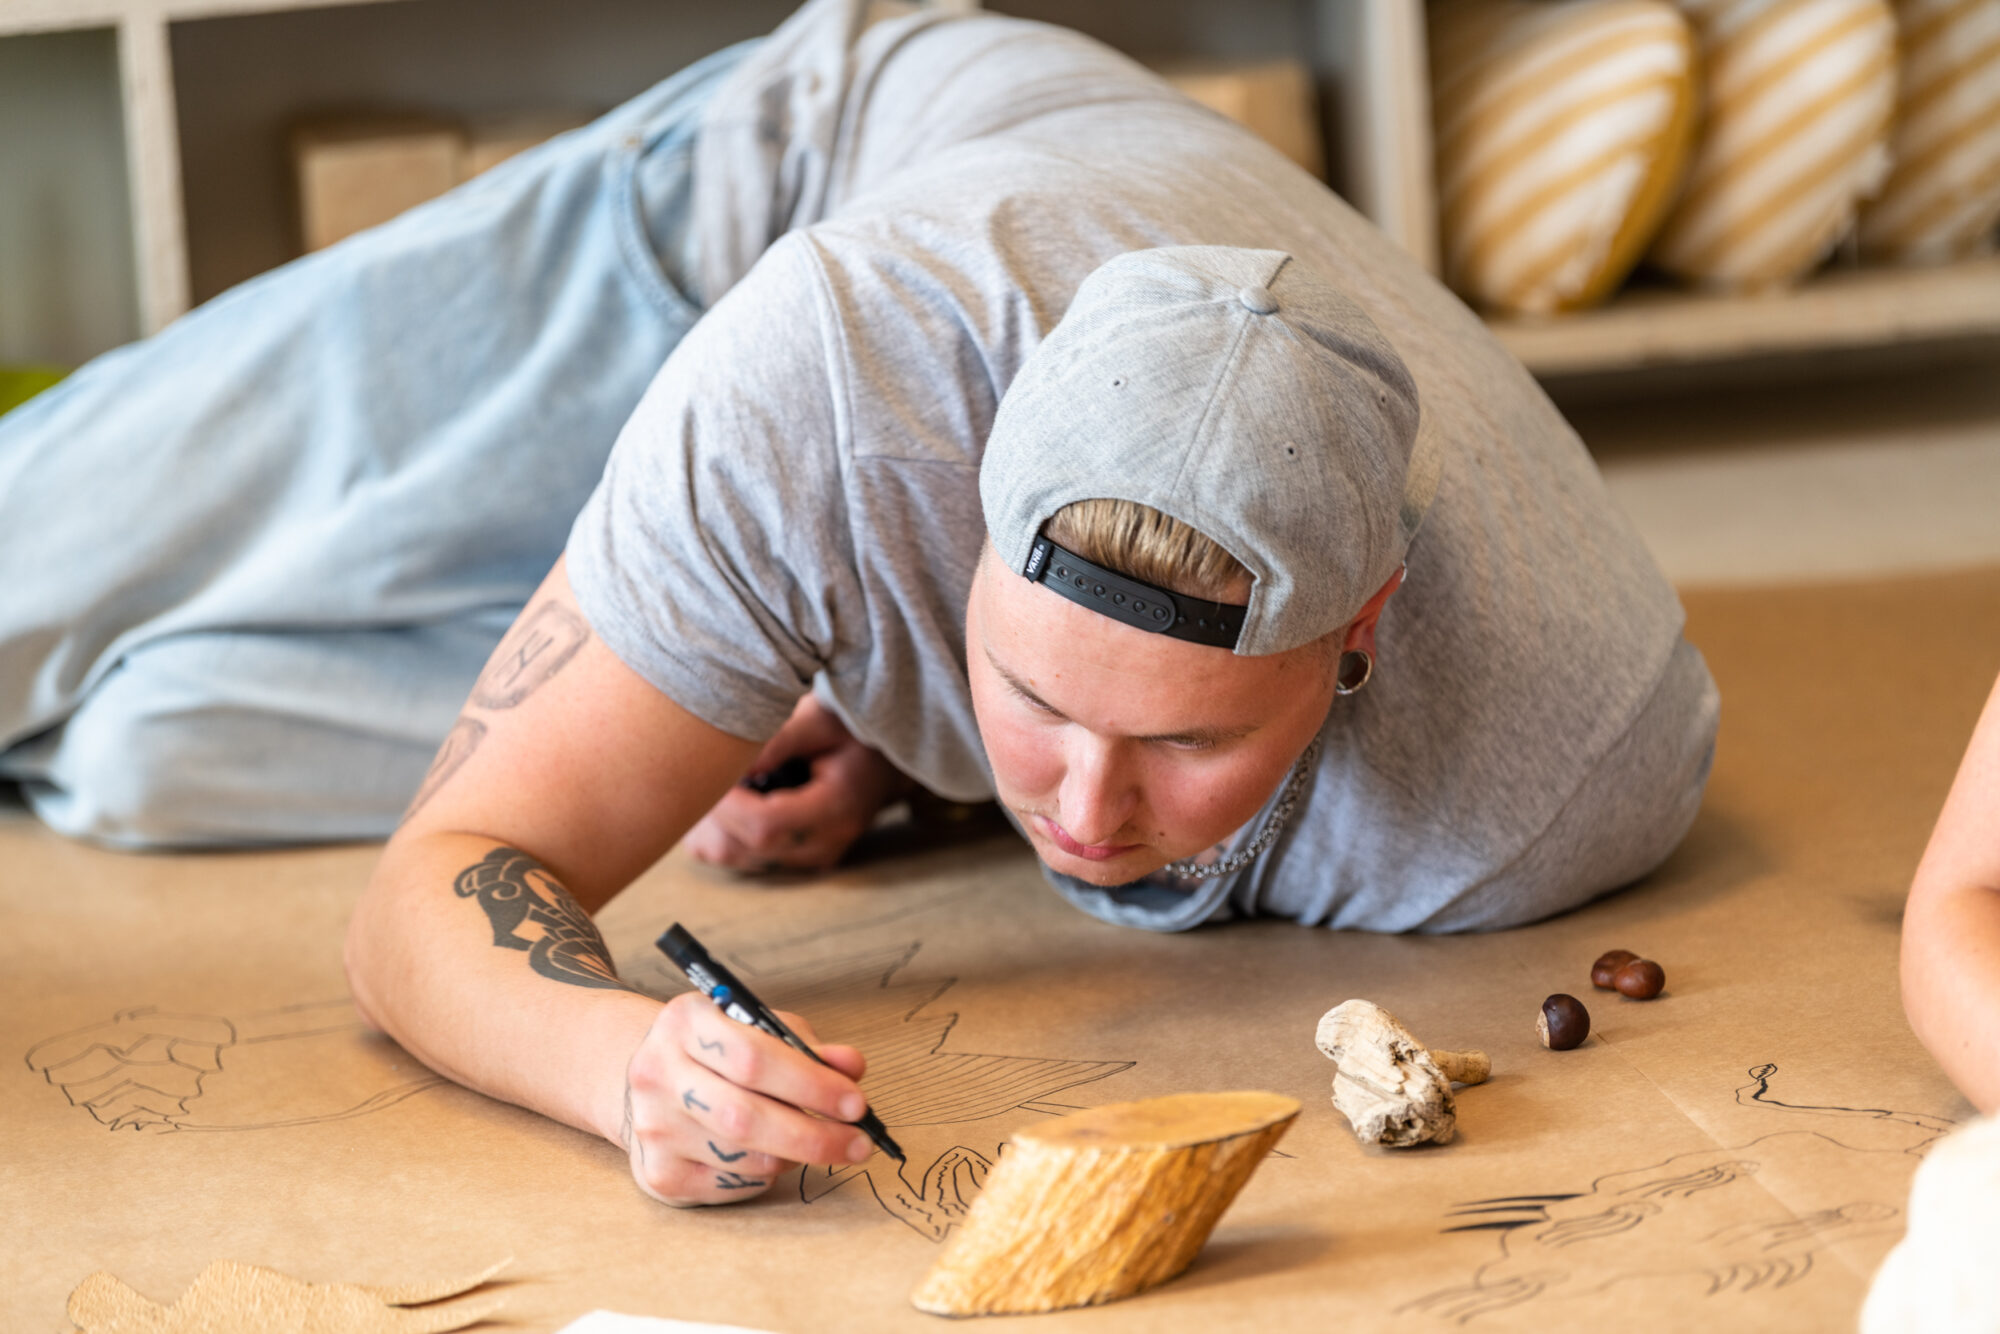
(207, 87)
(1841, 310)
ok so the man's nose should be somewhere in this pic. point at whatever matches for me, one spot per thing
(1098, 796)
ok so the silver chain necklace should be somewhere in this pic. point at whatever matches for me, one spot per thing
(1273, 823)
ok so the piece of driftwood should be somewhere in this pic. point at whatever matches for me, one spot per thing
(1103, 1204)
(1391, 1088)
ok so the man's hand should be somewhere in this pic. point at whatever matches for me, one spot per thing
(808, 827)
(715, 1110)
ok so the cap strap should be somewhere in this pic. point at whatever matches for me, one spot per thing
(1132, 601)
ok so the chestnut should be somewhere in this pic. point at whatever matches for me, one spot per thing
(1563, 1022)
(1608, 963)
(1641, 979)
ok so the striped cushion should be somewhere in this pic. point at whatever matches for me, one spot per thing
(1561, 132)
(1797, 100)
(1943, 197)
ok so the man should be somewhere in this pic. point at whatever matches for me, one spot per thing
(1248, 404)
(1008, 350)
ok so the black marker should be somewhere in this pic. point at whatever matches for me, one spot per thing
(795, 772)
(739, 1003)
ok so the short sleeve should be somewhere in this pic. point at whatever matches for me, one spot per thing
(713, 557)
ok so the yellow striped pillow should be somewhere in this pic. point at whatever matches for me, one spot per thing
(1943, 197)
(1797, 99)
(1561, 132)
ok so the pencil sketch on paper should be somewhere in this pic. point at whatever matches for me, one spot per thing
(937, 1101)
(151, 1070)
(1697, 1216)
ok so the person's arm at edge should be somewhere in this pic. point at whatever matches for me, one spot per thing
(1951, 926)
(566, 755)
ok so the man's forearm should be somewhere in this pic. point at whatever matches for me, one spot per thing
(480, 963)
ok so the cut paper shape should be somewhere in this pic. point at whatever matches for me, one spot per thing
(151, 1070)
(230, 1297)
(611, 1322)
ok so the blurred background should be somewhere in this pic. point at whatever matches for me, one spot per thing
(1747, 245)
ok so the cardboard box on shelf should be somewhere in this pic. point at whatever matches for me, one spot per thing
(492, 141)
(1274, 98)
(355, 172)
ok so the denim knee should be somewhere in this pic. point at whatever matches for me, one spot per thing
(231, 740)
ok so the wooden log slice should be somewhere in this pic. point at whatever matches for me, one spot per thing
(1103, 1204)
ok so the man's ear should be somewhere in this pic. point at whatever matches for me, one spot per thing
(1360, 632)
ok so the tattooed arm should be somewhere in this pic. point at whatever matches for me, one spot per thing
(567, 776)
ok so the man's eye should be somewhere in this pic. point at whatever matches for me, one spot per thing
(1037, 705)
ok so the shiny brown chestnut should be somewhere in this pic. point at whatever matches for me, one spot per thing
(1640, 979)
(1608, 963)
(1563, 1022)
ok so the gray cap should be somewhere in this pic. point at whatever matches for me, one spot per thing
(1240, 393)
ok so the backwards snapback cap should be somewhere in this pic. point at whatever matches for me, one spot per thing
(1238, 392)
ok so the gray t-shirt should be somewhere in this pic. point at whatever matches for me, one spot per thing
(890, 212)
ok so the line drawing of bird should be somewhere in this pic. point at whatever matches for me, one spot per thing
(1700, 1215)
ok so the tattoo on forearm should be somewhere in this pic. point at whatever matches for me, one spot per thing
(715, 1047)
(459, 743)
(689, 1100)
(735, 1181)
(541, 644)
(519, 895)
(725, 1157)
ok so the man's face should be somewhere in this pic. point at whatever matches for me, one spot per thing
(1120, 750)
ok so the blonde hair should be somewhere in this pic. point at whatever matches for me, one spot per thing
(1141, 543)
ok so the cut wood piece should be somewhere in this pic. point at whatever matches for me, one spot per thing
(1103, 1204)
(1391, 1088)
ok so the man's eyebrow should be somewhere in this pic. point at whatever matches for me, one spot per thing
(1020, 687)
(1206, 736)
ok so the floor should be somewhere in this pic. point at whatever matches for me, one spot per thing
(188, 1083)
(1821, 479)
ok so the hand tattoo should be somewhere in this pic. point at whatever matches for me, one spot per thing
(689, 1100)
(735, 1181)
(715, 1047)
(517, 891)
(726, 1157)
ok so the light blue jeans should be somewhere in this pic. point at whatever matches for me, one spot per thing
(249, 567)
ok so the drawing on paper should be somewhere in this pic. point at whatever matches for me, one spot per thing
(1699, 1216)
(151, 1070)
(938, 1102)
